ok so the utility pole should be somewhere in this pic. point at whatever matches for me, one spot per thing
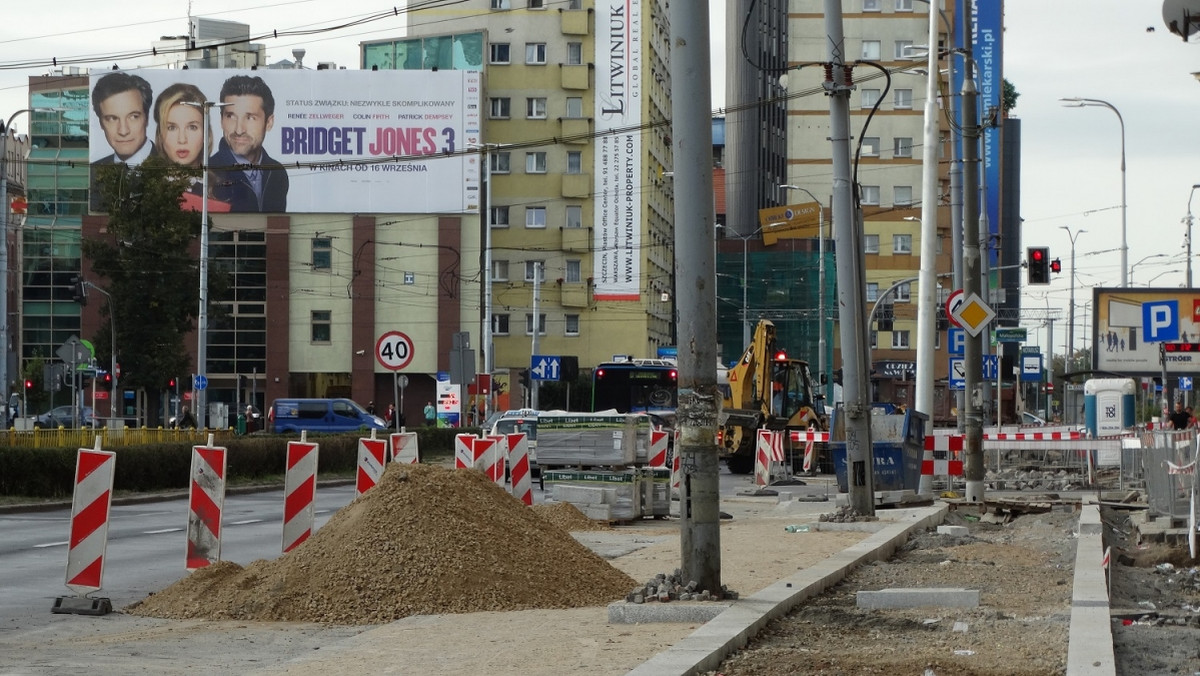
(973, 350)
(927, 284)
(539, 269)
(851, 282)
(695, 274)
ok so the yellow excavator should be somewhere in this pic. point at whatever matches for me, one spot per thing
(766, 390)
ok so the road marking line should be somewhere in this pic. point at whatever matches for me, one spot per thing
(161, 531)
(52, 544)
(243, 523)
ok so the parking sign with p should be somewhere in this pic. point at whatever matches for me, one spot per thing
(1160, 321)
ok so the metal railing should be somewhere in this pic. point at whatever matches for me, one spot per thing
(109, 438)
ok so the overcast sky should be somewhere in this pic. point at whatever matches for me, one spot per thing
(1100, 49)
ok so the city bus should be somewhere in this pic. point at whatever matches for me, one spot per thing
(636, 386)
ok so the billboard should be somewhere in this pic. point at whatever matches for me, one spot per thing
(1119, 332)
(618, 161)
(789, 221)
(299, 141)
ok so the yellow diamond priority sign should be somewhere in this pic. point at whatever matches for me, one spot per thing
(974, 314)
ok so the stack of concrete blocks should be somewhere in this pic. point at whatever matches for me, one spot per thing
(593, 440)
(656, 491)
(600, 495)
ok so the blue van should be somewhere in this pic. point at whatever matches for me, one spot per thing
(321, 415)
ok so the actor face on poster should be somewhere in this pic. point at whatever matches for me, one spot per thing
(247, 178)
(180, 122)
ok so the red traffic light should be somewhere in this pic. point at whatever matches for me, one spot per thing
(1056, 266)
(108, 379)
(171, 383)
(28, 384)
(1037, 254)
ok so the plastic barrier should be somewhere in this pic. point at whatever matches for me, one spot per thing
(206, 503)
(404, 447)
(464, 451)
(658, 448)
(495, 458)
(768, 449)
(810, 439)
(299, 491)
(676, 468)
(371, 454)
(90, 508)
(518, 468)
(938, 461)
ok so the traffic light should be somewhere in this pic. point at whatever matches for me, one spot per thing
(1038, 259)
(28, 385)
(524, 378)
(78, 290)
(106, 381)
(1056, 266)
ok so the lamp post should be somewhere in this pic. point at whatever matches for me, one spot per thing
(489, 359)
(1188, 220)
(821, 353)
(1069, 359)
(1077, 102)
(4, 131)
(1134, 266)
(202, 316)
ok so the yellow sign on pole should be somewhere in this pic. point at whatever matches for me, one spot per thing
(791, 221)
(974, 314)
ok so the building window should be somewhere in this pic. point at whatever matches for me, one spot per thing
(574, 107)
(871, 244)
(874, 339)
(535, 108)
(903, 100)
(899, 340)
(574, 4)
(537, 4)
(868, 5)
(535, 53)
(574, 53)
(535, 163)
(500, 162)
(870, 194)
(571, 325)
(901, 244)
(903, 293)
(538, 267)
(499, 271)
(904, 5)
(541, 324)
(500, 53)
(499, 217)
(902, 196)
(574, 161)
(500, 108)
(500, 325)
(872, 292)
(322, 326)
(902, 146)
(535, 217)
(871, 50)
(574, 216)
(574, 274)
(505, 4)
(904, 49)
(322, 253)
(870, 146)
(870, 97)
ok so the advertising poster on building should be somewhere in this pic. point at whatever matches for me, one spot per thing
(618, 190)
(1118, 344)
(298, 141)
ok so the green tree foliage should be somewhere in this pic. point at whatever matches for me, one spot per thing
(1008, 99)
(147, 269)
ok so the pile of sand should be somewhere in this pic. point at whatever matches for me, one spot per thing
(568, 517)
(425, 540)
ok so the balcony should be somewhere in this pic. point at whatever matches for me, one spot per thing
(577, 186)
(576, 76)
(574, 21)
(576, 239)
(577, 130)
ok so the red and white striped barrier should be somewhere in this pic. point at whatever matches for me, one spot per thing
(464, 451)
(676, 467)
(404, 448)
(495, 456)
(938, 459)
(768, 449)
(371, 456)
(206, 503)
(299, 492)
(518, 468)
(1035, 436)
(810, 437)
(90, 506)
(658, 448)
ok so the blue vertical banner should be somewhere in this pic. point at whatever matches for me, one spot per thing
(987, 23)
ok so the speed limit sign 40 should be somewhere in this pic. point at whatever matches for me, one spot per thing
(394, 350)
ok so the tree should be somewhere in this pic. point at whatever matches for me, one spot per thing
(152, 279)
(1008, 99)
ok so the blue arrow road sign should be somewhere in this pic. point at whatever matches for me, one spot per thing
(1185, 383)
(200, 383)
(958, 373)
(991, 366)
(544, 367)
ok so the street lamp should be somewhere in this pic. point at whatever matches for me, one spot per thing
(1134, 266)
(4, 131)
(202, 317)
(821, 354)
(1189, 235)
(489, 359)
(1070, 357)
(1076, 102)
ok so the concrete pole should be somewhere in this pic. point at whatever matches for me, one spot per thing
(848, 241)
(695, 272)
(538, 270)
(973, 350)
(1189, 235)
(741, 129)
(927, 282)
(1068, 396)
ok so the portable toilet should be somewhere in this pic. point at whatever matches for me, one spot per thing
(1108, 405)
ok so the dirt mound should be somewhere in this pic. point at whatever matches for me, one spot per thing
(425, 540)
(568, 517)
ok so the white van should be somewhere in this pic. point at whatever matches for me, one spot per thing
(516, 421)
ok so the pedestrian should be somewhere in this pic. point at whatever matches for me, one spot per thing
(186, 419)
(390, 416)
(1179, 417)
(430, 414)
(249, 419)
(371, 407)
